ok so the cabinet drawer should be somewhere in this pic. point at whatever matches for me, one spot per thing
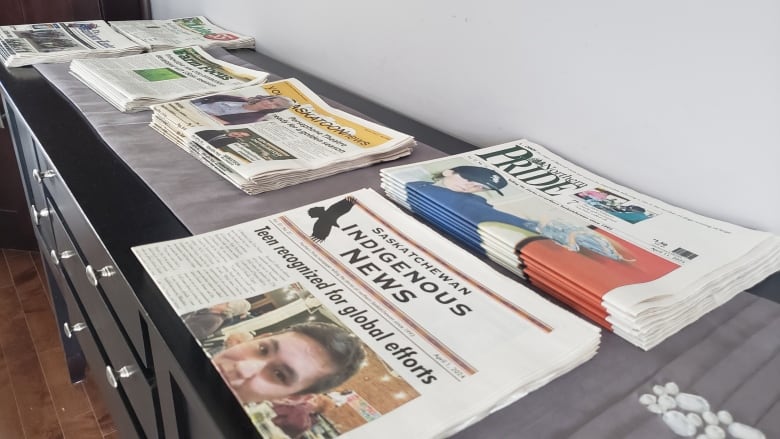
(80, 328)
(120, 298)
(133, 378)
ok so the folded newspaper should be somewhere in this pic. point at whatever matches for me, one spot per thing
(274, 135)
(133, 83)
(26, 44)
(635, 265)
(156, 35)
(362, 321)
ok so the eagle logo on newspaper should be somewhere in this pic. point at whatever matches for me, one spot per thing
(327, 219)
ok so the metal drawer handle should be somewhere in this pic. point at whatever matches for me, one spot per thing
(113, 377)
(69, 330)
(93, 276)
(54, 257)
(38, 214)
(39, 176)
(67, 254)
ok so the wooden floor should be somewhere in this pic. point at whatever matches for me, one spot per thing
(37, 400)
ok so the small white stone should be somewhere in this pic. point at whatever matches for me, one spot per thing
(710, 418)
(725, 417)
(667, 402)
(714, 432)
(655, 408)
(742, 431)
(692, 403)
(679, 423)
(695, 419)
(647, 399)
(659, 390)
(672, 388)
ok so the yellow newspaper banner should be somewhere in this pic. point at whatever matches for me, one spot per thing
(316, 116)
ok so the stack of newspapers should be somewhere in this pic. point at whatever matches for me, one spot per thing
(133, 83)
(27, 44)
(274, 135)
(631, 263)
(156, 35)
(399, 318)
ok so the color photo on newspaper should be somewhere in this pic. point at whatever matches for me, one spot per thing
(630, 263)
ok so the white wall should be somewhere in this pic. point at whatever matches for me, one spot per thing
(679, 99)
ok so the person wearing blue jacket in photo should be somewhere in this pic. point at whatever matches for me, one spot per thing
(457, 188)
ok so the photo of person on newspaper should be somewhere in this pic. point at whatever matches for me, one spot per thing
(458, 187)
(235, 110)
(223, 138)
(283, 353)
(302, 359)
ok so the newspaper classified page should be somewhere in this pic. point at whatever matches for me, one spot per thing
(369, 312)
(631, 263)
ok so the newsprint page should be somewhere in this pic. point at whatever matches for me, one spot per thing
(348, 318)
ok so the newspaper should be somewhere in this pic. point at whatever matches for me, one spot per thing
(133, 83)
(629, 262)
(276, 134)
(156, 35)
(26, 44)
(361, 319)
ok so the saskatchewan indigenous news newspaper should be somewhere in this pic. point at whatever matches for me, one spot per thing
(133, 83)
(291, 136)
(631, 263)
(27, 44)
(364, 319)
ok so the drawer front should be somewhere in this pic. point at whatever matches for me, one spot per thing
(120, 297)
(79, 328)
(129, 374)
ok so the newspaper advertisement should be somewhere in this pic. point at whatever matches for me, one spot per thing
(571, 228)
(51, 38)
(276, 126)
(353, 313)
(167, 74)
(180, 32)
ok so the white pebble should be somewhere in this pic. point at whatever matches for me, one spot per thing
(667, 402)
(692, 403)
(710, 418)
(714, 432)
(742, 431)
(647, 399)
(659, 390)
(655, 408)
(695, 419)
(679, 423)
(672, 388)
(725, 417)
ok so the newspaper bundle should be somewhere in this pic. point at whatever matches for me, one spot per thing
(631, 263)
(274, 135)
(362, 319)
(155, 35)
(26, 44)
(133, 83)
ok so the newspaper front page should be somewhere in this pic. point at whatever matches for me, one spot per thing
(429, 339)
(617, 255)
(59, 42)
(181, 32)
(268, 130)
(162, 76)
